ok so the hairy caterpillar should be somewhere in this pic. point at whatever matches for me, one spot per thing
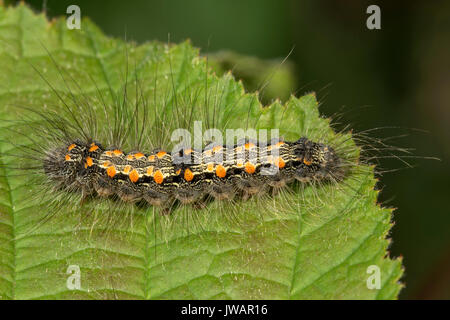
(158, 178)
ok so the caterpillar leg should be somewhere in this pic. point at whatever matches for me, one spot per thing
(223, 192)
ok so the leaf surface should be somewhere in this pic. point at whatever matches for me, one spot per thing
(311, 243)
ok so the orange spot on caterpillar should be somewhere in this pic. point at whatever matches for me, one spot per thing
(280, 163)
(127, 169)
(89, 162)
(67, 157)
(307, 162)
(111, 171)
(130, 157)
(161, 154)
(109, 153)
(188, 175)
(134, 176)
(187, 151)
(250, 168)
(249, 145)
(117, 152)
(158, 177)
(150, 170)
(210, 167)
(93, 148)
(239, 163)
(151, 158)
(139, 155)
(217, 148)
(71, 146)
(277, 145)
(178, 171)
(221, 172)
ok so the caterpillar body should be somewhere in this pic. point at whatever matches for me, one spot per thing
(188, 175)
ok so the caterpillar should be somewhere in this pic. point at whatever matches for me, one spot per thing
(160, 177)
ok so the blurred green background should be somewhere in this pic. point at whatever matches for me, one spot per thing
(396, 76)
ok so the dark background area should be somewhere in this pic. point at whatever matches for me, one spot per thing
(396, 76)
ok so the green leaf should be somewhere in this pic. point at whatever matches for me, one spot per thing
(310, 243)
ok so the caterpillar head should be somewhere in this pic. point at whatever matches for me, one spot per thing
(316, 161)
(64, 163)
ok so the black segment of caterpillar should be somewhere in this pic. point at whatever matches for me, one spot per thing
(188, 175)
